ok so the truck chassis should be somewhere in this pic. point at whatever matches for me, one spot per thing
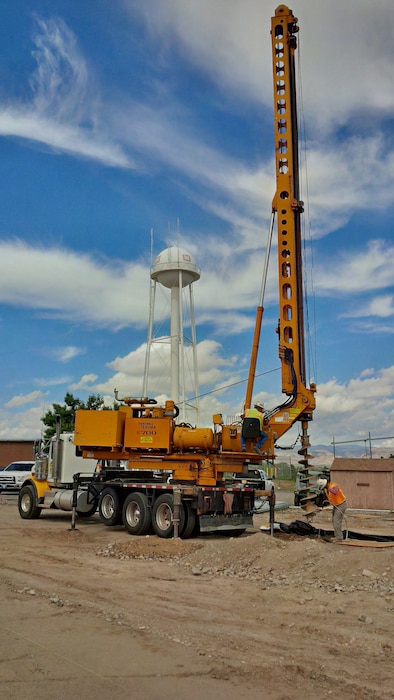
(148, 504)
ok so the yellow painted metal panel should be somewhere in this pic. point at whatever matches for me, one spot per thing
(99, 428)
(148, 433)
(231, 438)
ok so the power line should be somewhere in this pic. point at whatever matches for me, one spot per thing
(228, 386)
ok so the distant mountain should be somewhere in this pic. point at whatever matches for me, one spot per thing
(323, 455)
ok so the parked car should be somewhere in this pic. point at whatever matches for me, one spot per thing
(13, 476)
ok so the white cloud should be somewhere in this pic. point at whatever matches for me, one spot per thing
(21, 425)
(61, 284)
(22, 400)
(381, 306)
(215, 371)
(71, 286)
(85, 383)
(362, 270)
(62, 102)
(61, 136)
(355, 408)
(66, 115)
(67, 353)
(334, 192)
(230, 46)
(61, 80)
(225, 39)
(374, 328)
(372, 310)
(51, 381)
(230, 42)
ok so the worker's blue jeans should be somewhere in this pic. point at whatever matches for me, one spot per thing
(260, 443)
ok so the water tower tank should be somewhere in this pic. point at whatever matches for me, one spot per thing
(175, 270)
(169, 263)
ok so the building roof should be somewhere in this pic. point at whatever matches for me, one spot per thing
(341, 464)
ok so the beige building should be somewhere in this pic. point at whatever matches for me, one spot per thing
(366, 483)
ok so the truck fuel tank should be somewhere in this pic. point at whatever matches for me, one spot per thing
(64, 500)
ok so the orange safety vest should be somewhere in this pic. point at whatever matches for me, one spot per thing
(335, 498)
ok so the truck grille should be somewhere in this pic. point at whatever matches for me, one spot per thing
(7, 480)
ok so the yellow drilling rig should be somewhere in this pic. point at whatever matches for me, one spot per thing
(181, 479)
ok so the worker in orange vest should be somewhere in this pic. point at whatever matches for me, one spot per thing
(337, 499)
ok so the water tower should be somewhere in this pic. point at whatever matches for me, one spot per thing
(175, 270)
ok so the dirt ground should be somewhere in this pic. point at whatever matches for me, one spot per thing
(96, 613)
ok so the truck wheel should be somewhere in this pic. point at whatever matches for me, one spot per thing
(163, 516)
(136, 515)
(28, 510)
(110, 507)
(190, 520)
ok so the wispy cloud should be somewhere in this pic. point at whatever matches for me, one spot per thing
(61, 82)
(23, 399)
(67, 353)
(232, 47)
(63, 113)
(66, 114)
(52, 381)
(86, 383)
(380, 307)
(231, 50)
(361, 270)
(60, 284)
(372, 328)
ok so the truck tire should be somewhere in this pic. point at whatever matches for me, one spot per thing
(190, 520)
(28, 509)
(136, 514)
(163, 516)
(110, 507)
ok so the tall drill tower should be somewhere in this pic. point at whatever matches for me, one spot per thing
(174, 269)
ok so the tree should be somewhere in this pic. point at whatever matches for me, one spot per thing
(66, 412)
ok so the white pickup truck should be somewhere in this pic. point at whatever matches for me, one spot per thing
(255, 477)
(13, 476)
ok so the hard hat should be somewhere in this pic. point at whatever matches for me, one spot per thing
(321, 483)
(257, 404)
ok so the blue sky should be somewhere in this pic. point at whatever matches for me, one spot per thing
(118, 118)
